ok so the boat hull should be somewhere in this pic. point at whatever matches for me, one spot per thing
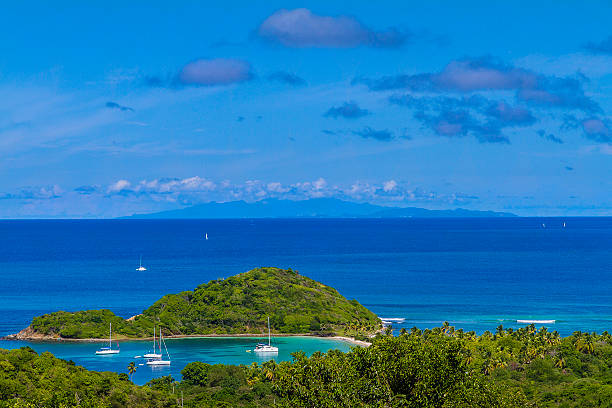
(104, 352)
(158, 363)
(267, 350)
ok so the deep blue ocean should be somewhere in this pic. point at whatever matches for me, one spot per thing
(475, 273)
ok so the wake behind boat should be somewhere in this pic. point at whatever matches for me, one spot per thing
(109, 349)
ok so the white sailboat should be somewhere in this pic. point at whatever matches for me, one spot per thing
(159, 361)
(109, 349)
(153, 354)
(206, 236)
(140, 267)
(266, 348)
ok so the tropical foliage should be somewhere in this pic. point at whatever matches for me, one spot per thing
(442, 367)
(28, 379)
(239, 304)
(550, 370)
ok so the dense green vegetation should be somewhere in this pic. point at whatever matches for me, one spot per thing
(442, 367)
(28, 379)
(239, 304)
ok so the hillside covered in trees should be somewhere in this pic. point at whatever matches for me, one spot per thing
(442, 367)
(237, 305)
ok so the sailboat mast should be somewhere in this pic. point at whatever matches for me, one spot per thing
(153, 339)
(160, 340)
(110, 334)
(269, 342)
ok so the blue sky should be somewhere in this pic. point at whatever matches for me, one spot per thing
(108, 110)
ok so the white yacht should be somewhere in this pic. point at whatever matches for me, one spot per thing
(158, 359)
(140, 267)
(109, 349)
(153, 354)
(266, 348)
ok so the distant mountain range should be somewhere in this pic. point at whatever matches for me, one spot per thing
(313, 208)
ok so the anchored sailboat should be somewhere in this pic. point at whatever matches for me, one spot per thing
(158, 359)
(140, 267)
(109, 349)
(266, 348)
(153, 354)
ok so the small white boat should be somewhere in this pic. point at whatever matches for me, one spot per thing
(153, 354)
(266, 348)
(536, 321)
(206, 236)
(108, 350)
(158, 359)
(140, 267)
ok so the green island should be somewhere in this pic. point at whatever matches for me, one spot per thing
(237, 305)
(442, 367)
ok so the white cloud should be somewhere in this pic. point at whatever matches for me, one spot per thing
(389, 185)
(119, 186)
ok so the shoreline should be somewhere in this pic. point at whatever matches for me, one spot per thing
(47, 339)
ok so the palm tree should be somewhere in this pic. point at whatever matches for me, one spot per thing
(588, 347)
(560, 363)
(131, 369)
(469, 357)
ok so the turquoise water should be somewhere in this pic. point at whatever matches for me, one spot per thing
(182, 351)
(474, 273)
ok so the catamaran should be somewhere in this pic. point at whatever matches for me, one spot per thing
(109, 349)
(158, 359)
(140, 267)
(266, 348)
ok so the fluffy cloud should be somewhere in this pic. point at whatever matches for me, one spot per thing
(119, 186)
(488, 74)
(348, 110)
(594, 128)
(469, 115)
(464, 75)
(287, 78)
(128, 196)
(301, 28)
(459, 123)
(34, 193)
(597, 129)
(389, 185)
(510, 115)
(217, 71)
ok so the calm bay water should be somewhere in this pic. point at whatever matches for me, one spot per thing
(182, 351)
(475, 273)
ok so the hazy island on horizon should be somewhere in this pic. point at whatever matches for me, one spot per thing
(311, 208)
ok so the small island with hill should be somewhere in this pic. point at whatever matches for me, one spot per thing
(238, 305)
